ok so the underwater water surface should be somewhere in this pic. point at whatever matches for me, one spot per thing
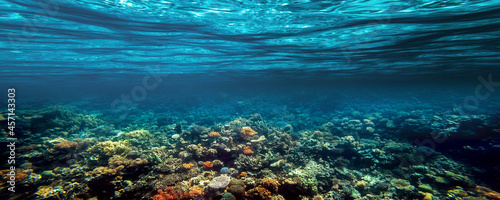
(250, 99)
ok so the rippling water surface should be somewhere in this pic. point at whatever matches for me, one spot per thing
(275, 38)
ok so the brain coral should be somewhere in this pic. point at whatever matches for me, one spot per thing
(220, 182)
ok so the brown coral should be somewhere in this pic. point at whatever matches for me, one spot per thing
(217, 163)
(214, 134)
(138, 162)
(270, 184)
(212, 152)
(238, 190)
(259, 193)
(247, 133)
(66, 144)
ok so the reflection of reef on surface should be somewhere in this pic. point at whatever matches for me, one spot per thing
(356, 157)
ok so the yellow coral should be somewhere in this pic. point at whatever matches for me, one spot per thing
(110, 148)
(402, 184)
(187, 165)
(49, 192)
(427, 196)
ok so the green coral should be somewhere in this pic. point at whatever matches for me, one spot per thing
(137, 137)
(228, 196)
(62, 118)
(306, 177)
(402, 184)
(104, 150)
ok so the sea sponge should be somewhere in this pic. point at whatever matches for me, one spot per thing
(247, 133)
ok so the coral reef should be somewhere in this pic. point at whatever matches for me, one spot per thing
(350, 154)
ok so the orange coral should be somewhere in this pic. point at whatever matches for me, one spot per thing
(196, 192)
(318, 198)
(214, 134)
(247, 133)
(207, 165)
(242, 174)
(168, 194)
(247, 150)
(488, 192)
(188, 165)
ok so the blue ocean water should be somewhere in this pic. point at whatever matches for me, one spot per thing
(421, 70)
